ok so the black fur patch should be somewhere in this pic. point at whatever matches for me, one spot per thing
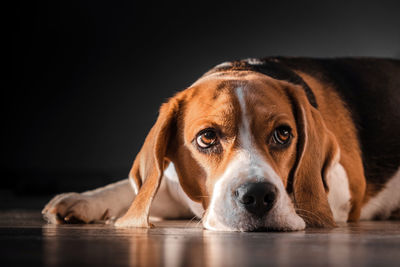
(272, 68)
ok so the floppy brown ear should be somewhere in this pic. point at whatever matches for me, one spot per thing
(316, 150)
(149, 165)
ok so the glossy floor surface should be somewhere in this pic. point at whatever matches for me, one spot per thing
(26, 240)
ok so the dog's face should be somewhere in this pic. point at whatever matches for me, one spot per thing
(242, 135)
(240, 143)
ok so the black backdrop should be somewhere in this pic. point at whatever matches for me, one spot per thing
(87, 77)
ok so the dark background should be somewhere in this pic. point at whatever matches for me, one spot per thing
(87, 77)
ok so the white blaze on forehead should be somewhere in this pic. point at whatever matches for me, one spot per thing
(249, 157)
(252, 162)
(245, 135)
(244, 129)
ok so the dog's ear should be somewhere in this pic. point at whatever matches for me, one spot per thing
(149, 165)
(317, 149)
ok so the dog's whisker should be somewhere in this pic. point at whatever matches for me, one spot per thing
(313, 214)
(190, 221)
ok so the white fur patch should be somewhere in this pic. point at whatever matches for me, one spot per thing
(339, 192)
(244, 129)
(385, 202)
(176, 191)
(222, 215)
(210, 221)
(254, 61)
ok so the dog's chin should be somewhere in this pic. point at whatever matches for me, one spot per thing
(252, 224)
(251, 227)
(262, 227)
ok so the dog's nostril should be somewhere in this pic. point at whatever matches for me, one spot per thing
(269, 197)
(247, 200)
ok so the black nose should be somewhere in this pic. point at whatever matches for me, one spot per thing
(256, 197)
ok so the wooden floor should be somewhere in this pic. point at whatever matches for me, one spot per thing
(26, 240)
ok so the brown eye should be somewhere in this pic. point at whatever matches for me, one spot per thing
(207, 138)
(282, 135)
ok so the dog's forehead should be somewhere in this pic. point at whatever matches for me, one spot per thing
(217, 98)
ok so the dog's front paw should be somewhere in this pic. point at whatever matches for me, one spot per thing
(73, 208)
(128, 221)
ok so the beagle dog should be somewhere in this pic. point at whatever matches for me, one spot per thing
(263, 144)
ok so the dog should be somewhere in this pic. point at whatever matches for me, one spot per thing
(274, 143)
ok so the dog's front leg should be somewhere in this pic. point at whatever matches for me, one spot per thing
(101, 204)
(112, 201)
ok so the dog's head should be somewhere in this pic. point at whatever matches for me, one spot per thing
(251, 148)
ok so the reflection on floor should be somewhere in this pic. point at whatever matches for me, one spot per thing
(26, 240)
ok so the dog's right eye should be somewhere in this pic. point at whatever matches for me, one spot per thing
(207, 138)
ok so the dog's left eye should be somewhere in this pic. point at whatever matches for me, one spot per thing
(207, 138)
(282, 135)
